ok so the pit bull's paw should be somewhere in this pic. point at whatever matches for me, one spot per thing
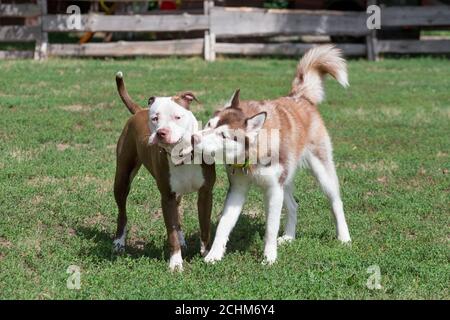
(203, 249)
(118, 246)
(176, 267)
(176, 262)
(213, 256)
(285, 239)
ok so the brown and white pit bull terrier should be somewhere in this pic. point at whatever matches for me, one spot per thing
(149, 138)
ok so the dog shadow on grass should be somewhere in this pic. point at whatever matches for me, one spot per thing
(241, 239)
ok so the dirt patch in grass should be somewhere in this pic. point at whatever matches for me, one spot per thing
(253, 213)
(62, 146)
(62, 229)
(76, 108)
(21, 155)
(102, 185)
(42, 181)
(96, 219)
(78, 127)
(65, 146)
(5, 243)
(379, 166)
(37, 199)
(5, 137)
(385, 111)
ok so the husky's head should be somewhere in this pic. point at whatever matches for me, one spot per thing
(229, 132)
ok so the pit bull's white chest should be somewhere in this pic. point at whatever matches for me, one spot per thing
(186, 178)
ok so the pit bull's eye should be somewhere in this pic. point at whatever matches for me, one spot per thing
(177, 117)
(223, 135)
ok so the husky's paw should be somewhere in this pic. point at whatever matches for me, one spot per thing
(285, 239)
(213, 256)
(270, 256)
(345, 239)
(268, 261)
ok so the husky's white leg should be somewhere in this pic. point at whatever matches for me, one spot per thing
(325, 173)
(291, 222)
(274, 204)
(233, 206)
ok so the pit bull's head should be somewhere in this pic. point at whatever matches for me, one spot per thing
(171, 121)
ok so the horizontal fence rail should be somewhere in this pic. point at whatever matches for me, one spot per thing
(239, 22)
(219, 25)
(415, 16)
(135, 23)
(184, 47)
(283, 49)
(19, 33)
(19, 10)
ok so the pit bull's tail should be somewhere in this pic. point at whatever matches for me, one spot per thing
(123, 93)
(312, 68)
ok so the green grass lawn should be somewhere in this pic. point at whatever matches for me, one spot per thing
(60, 120)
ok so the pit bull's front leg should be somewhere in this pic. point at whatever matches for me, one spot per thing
(204, 207)
(170, 207)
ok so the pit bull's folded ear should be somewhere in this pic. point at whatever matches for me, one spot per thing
(189, 96)
(184, 99)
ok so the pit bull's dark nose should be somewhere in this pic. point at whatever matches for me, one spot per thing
(162, 133)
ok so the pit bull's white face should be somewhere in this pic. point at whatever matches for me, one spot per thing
(170, 122)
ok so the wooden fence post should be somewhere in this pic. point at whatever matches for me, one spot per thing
(371, 39)
(41, 49)
(210, 38)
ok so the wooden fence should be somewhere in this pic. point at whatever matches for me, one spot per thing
(218, 25)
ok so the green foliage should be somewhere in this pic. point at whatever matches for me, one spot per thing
(276, 4)
(60, 120)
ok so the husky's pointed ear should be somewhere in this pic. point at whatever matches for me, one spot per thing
(256, 122)
(234, 100)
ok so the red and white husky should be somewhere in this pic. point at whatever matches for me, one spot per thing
(303, 140)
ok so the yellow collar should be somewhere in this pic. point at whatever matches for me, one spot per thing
(244, 165)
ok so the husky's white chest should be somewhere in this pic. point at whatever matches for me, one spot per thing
(186, 178)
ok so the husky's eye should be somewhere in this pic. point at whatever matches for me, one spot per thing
(223, 135)
(154, 119)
